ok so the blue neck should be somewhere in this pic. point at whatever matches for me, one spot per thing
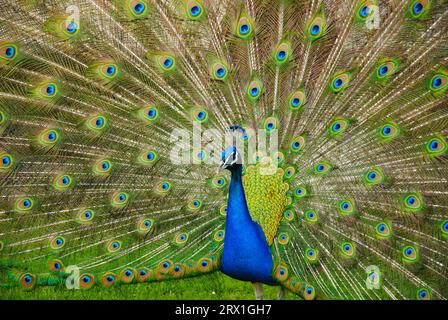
(246, 254)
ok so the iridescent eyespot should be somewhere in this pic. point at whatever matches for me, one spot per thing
(57, 242)
(410, 254)
(102, 167)
(166, 62)
(128, 275)
(199, 114)
(278, 158)
(96, 123)
(270, 124)
(48, 137)
(63, 182)
(86, 280)
(419, 8)
(195, 204)
(312, 255)
(254, 90)
(145, 225)
(297, 100)
(244, 28)
(23, 204)
(283, 53)
(338, 126)
(436, 146)
(322, 168)
(181, 238)
(7, 161)
(383, 230)
(47, 90)
(223, 210)
(439, 83)
(8, 52)
(389, 131)
(219, 182)
(297, 144)
(347, 250)
(85, 216)
(70, 27)
(423, 294)
(311, 217)
(219, 235)
(143, 274)
(165, 266)
(340, 82)
(137, 8)
(113, 246)
(150, 114)
(413, 202)
(194, 10)
(283, 238)
(290, 172)
(163, 187)
(309, 293)
(219, 71)
(365, 9)
(148, 157)
(281, 272)
(109, 279)
(119, 199)
(300, 192)
(373, 176)
(346, 207)
(56, 265)
(205, 265)
(27, 280)
(289, 215)
(316, 28)
(386, 68)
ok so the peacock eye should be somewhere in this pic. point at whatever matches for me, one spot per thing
(50, 89)
(71, 27)
(315, 29)
(168, 62)
(337, 83)
(383, 70)
(195, 10)
(110, 70)
(139, 8)
(364, 12)
(281, 55)
(437, 82)
(6, 161)
(10, 52)
(417, 8)
(244, 29)
(221, 72)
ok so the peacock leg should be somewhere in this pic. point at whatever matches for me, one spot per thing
(258, 289)
(281, 293)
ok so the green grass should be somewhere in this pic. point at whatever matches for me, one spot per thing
(216, 286)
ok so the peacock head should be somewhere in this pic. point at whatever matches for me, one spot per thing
(230, 159)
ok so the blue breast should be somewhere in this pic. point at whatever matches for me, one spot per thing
(246, 255)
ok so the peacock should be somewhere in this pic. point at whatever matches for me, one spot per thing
(114, 168)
